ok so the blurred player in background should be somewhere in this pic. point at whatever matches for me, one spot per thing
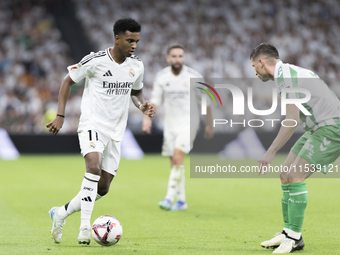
(112, 77)
(316, 149)
(173, 84)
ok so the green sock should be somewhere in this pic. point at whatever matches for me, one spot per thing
(285, 197)
(297, 204)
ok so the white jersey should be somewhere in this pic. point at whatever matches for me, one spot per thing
(105, 102)
(324, 106)
(175, 91)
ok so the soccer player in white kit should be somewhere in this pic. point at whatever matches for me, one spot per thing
(112, 77)
(316, 149)
(173, 84)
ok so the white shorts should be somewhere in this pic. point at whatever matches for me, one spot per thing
(97, 141)
(176, 140)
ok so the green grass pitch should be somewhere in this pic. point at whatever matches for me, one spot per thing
(225, 216)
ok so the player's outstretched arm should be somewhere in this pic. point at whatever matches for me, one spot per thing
(146, 108)
(285, 133)
(209, 129)
(56, 124)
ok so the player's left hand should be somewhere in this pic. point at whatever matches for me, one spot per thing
(148, 109)
(209, 132)
(55, 125)
(265, 161)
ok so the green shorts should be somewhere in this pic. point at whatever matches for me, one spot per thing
(320, 148)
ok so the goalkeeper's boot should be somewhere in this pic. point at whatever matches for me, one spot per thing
(179, 206)
(57, 225)
(165, 204)
(290, 245)
(84, 235)
(274, 242)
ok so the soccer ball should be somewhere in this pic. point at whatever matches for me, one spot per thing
(107, 230)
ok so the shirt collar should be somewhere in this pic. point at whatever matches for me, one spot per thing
(277, 69)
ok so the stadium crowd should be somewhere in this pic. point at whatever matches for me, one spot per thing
(33, 58)
(218, 38)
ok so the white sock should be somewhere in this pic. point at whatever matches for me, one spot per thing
(88, 195)
(181, 189)
(294, 234)
(72, 206)
(175, 178)
(286, 230)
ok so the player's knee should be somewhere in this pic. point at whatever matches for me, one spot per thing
(292, 179)
(283, 175)
(93, 168)
(177, 160)
(295, 177)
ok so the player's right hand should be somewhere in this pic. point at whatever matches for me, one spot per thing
(264, 162)
(148, 109)
(55, 125)
(146, 125)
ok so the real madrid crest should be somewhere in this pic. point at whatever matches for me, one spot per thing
(131, 73)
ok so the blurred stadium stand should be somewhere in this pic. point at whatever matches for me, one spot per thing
(41, 38)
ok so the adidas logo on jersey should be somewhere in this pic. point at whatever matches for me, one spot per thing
(108, 73)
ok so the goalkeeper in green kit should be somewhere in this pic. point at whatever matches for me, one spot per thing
(316, 149)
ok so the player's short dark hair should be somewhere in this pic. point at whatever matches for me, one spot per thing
(174, 46)
(265, 49)
(126, 24)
